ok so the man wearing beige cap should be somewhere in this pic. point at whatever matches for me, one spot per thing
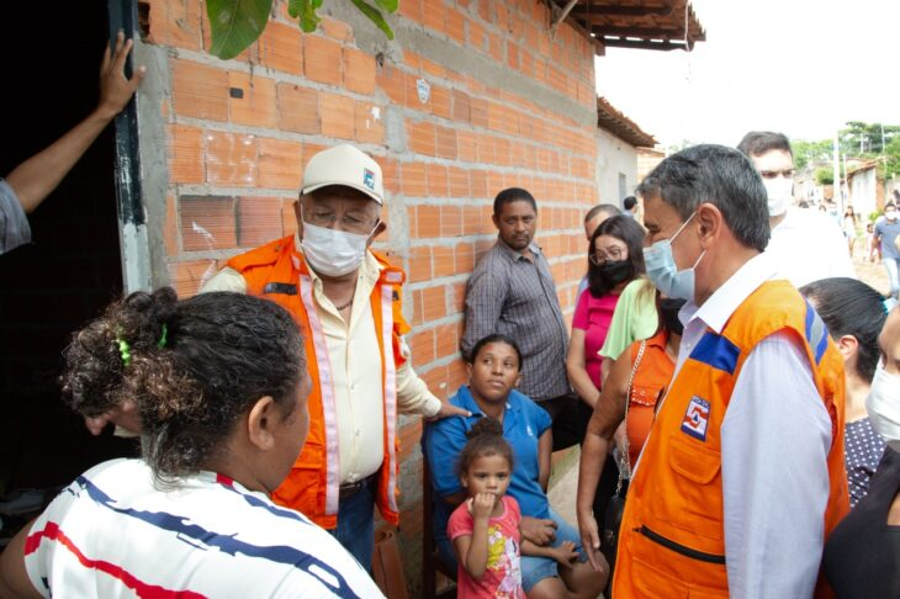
(347, 301)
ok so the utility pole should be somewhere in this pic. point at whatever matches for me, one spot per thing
(837, 196)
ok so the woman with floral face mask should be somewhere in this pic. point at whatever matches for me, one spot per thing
(862, 555)
(854, 314)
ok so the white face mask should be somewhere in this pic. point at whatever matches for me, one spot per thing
(333, 253)
(781, 193)
(663, 272)
(891, 215)
(883, 405)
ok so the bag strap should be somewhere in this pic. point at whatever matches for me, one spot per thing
(624, 460)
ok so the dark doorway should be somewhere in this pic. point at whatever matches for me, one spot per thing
(73, 267)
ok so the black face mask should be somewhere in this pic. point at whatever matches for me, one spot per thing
(668, 314)
(616, 272)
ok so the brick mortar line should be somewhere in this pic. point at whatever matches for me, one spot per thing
(470, 201)
(276, 133)
(280, 134)
(380, 150)
(486, 167)
(453, 241)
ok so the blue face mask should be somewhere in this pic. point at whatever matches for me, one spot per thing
(663, 272)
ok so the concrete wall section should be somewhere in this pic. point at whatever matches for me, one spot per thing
(614, 159)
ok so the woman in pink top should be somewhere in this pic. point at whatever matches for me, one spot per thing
(615, 258)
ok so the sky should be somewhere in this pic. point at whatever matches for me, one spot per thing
(802, 67)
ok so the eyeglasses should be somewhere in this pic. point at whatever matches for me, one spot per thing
(599, 257)
(349, 222)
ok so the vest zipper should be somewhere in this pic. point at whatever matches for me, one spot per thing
(679, 548)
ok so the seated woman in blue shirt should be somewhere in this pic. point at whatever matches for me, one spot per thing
(493, 373)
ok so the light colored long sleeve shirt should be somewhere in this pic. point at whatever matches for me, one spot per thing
(358, 385)
(776, 436)
(14, 227)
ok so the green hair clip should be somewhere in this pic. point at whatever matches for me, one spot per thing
(125, 349)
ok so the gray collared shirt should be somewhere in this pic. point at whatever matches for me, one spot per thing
(512, 295)
(14, 229)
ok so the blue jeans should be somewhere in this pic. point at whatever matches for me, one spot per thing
(356, 525)
(534, 569)
(890, 265)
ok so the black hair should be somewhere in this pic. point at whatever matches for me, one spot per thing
(625, 229)
(510, 195)
(757, 143)
(193, 368)
(629, 202)
(721, 176)
(850, 307)
(608, 209)
(494, 338)
(485, 440)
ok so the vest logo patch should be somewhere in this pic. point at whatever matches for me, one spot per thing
(369, 179)
(696, 418)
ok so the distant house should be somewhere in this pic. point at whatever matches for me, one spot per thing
(866, 188)
(619, 140)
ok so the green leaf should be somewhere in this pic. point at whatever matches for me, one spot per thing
(388, 5)
(236, 24)
(305, 10)
(375, 16)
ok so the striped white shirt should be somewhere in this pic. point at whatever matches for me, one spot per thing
(114, 533)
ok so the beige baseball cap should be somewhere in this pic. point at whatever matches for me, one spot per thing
(344, 165)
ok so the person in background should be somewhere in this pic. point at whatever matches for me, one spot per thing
(220, 383)
(630, 207)
(31, 182)
(873, 248)
(756, 376)
(886, 237)
(862, 554)
(806, 247)
(615, 259)
(347, 301)
(848, 224)
(512, 292)
(854, 314)
(495, 365)
(594, 217)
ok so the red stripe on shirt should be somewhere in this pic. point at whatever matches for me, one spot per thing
(146, 591)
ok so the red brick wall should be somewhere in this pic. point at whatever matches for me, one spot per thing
(240, 131)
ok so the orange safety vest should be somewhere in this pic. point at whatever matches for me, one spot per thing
(653, 375)
(672, 541)
(278, 271)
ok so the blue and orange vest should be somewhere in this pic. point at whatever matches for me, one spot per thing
(672, 541)
(278, 271)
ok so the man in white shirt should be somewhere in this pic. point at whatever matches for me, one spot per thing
(347, 301)
(741, 478)
(807, 245)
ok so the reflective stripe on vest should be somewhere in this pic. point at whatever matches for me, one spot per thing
(326, 389)
(390, 390)
(816, 333)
